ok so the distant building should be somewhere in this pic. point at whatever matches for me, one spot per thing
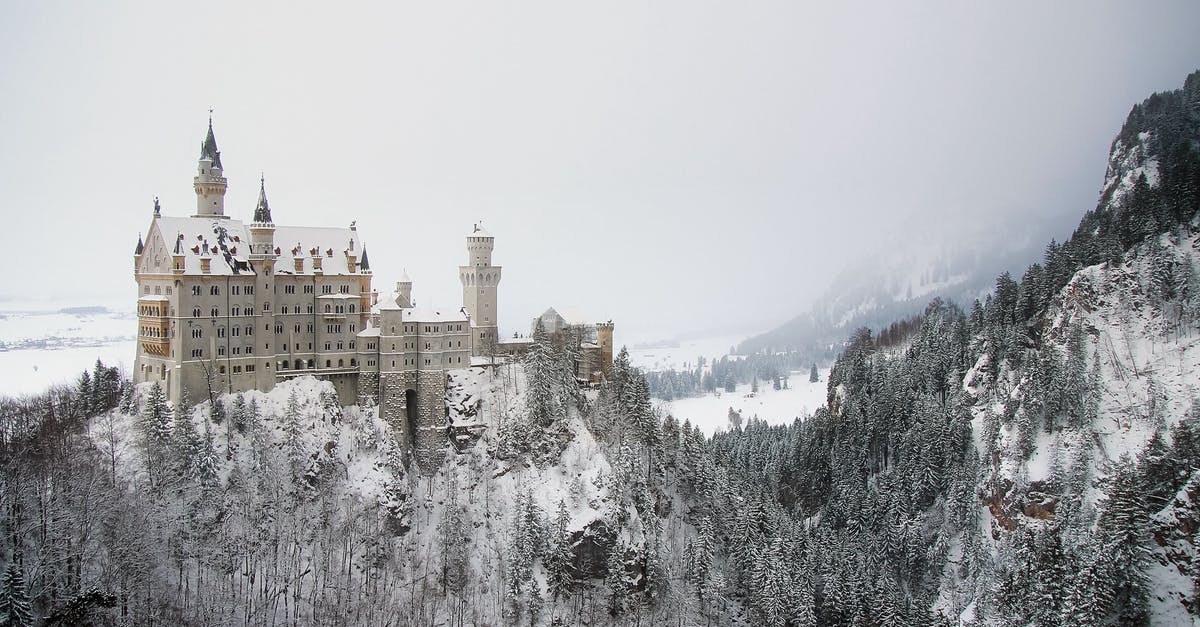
(593, 341)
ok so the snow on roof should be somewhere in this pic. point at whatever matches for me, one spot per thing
(516, 341)
(425, 314)
(338, 295)
(332, 244)
(477, 230)
(226, 242)
(369, 332)
(153, 297)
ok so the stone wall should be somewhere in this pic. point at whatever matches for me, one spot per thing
(425, 433)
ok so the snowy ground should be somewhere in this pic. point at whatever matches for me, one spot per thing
(711, 411)
(675, 355)
(39, 348)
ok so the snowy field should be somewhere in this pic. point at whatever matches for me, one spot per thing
(711, 412)
(39, 348)
(677, 354)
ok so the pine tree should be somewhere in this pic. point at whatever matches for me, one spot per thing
(15, 608)
(559, 577)
(1123, 529)
(813, 375)
(541, 374)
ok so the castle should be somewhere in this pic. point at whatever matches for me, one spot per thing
(225, 306)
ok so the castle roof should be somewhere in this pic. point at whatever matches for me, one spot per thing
(262, 211)
(227, 242)
(208, 149)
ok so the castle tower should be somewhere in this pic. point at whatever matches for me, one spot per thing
(262, 229)
(604, 339)
(404, 292)
(263, 255)
(210, 183)
(479, 281)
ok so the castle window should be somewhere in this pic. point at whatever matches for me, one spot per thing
(327, 363)
(297, 328)
(284, 309)
(250, 368)
(250, 350)
(214, 290)
(308, 309)
(341, 363)
(327, 309)
(345, 289)
(221, 369)
(352, 308)
(351, 344)
(237, 350)
(249, 330)
(237, 311)
(285, 347)
(235, 331)
(220, 331)
(195, 290)
(266, 306)
(237, 369)
(197, 352)
(371, 362)
(326, 289)
(308, 289)
(196, 312)
(353, 362)
(289, 289)
(341, 346)
(216, 312)
(221, 351)
(249, 290)
(157, 289)
(168, 290)
(145, 289)
(328, 346)
(309, 326)
(278, 328)
(197, 334)
(235, 290)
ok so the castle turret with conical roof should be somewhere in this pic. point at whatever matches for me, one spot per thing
(210, 183)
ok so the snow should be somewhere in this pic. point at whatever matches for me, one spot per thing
(40, 348)
(676, 354)
(710, 413)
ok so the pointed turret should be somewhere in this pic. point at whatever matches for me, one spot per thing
(208, 149)
(140, 247)
(262, 212)
(210, 183)
(363, 263)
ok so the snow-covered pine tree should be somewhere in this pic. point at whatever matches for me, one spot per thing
(15, 607)
(558, 560)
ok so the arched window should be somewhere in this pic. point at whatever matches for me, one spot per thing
(341, 363)
(327, 363)
(299, 364)
(312, 363)
(283, 365)
(326, 308)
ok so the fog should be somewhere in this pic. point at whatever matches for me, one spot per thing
(674, 166)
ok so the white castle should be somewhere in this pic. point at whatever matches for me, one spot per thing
(225, 307)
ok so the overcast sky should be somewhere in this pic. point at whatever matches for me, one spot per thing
(674, 166)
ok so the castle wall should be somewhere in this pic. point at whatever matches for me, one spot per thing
(424, 432)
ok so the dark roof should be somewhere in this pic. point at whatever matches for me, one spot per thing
(209, 147)
(262, 212)
(364, 264)
(140, 247)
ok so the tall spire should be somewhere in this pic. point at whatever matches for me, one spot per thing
(364, 263)
(140, 246)
(209, 148)
(262, 212)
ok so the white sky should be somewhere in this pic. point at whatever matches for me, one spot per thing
(675, 166)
